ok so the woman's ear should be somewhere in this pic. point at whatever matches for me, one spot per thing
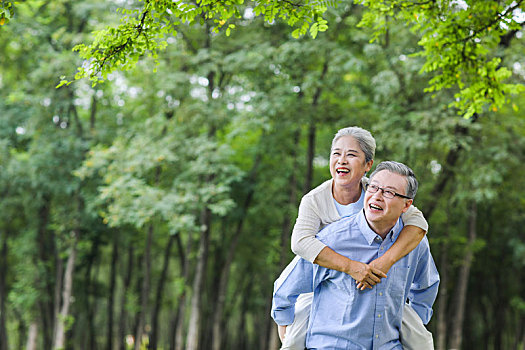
(368, 165)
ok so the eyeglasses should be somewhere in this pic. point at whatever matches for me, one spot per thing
(386, 193)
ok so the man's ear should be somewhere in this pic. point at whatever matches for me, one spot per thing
(408, 203)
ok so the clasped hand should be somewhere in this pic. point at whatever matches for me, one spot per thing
(367, 275)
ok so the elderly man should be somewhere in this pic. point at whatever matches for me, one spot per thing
(342, 316)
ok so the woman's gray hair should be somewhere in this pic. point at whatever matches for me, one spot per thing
(363, 137)
(401, 169)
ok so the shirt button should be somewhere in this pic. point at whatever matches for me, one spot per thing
(377, 336)
(379, 315)
(380, 294)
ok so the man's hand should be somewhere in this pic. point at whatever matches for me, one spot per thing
(282, 332)
(365, 275)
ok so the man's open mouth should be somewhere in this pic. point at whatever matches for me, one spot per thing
(375, 207)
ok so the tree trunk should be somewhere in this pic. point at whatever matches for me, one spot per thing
(66, 295)
(286, 228)
(523, 338)
(158, 299)
(144, 294)
(218, 320)
(520, 333)
(120, 344)
(32, 336)
(112, 284)
(442, 301)
(3, 291)
(185, 265)
(462, 285)
(198, 282)
(310, 153)
(89, 335)
(59, 277)
(442, 314)
(21, 330)
(46, 250)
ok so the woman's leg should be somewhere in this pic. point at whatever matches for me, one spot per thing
(414, 335)
(295, 336)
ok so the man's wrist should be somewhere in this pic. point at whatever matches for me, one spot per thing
(349, 267)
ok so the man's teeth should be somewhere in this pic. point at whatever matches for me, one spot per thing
(343, 170)
(373, 206)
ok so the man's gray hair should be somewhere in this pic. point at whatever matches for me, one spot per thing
(401, 169)
(363, 137)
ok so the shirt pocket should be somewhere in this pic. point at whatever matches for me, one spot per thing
(397, 284)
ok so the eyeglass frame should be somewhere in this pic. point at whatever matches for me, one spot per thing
(383, 191)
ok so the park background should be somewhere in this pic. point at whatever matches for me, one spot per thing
(158, 205)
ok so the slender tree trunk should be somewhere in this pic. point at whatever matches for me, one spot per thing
(310, 153)
(112, 284)
(241, 341)
(442, 324)
(32, 336)
(442, 301)
(120, 344)
(462, 285)
(21, 330)
(59, 277)
(93, 113)
(3, 291)
(198, 282)
(181, 312)
(500, 311)
(88, 335)
(46, 250)
(218, 320)
(144, 295)
(159, 295)
(67, 294)
(286, 230)
(523, 338)
(520, 333)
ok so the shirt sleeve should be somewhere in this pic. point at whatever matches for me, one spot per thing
(424, 288)
(304, 243)
(413, 216)
(296, 279)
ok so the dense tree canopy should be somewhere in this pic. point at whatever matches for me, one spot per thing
(459, 39)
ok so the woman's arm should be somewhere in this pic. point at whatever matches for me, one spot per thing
(365, 275)
(307, 246)
(308, 223)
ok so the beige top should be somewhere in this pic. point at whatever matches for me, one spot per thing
(317, 209)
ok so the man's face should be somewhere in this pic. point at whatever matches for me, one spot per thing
(386, 211)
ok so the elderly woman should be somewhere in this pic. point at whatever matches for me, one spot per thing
(351, 157)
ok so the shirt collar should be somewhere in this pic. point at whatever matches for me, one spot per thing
(370, 235)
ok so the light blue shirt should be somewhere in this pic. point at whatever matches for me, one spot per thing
(343, 317)
(352, 208)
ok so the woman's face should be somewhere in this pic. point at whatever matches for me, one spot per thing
(347, 162)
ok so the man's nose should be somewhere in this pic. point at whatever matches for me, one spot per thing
(378, 194)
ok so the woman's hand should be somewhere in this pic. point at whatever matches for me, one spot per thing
(365, 275)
